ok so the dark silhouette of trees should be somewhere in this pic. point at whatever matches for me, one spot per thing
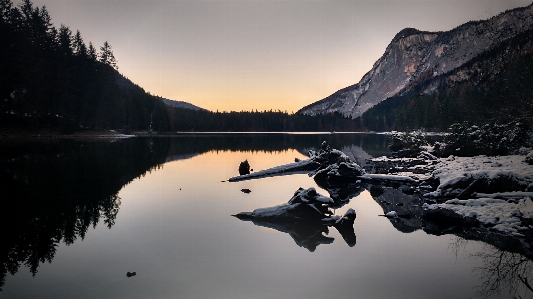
(50, 78)
(185, 120)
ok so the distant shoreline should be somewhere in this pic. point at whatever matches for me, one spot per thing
(106, 134)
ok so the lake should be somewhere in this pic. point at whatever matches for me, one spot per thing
(77, 216)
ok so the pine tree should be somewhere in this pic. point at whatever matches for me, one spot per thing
(65, 40)
(92, 52)
(79, 46)
(106, 56)
(6, 11)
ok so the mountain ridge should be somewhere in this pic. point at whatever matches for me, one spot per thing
(415, 55)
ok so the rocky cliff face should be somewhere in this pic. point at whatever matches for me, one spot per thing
(414, 56)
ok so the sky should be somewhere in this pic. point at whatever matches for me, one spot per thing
(235, 55)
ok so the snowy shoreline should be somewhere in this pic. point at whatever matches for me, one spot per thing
(489, 194)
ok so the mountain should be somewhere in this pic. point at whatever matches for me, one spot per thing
(415, 56)
(181, 104)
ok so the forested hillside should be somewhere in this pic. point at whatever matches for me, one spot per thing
(49, 77)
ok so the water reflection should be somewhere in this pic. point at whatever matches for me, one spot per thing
(306, 234)
(504, 272)
(407, 205)
(356, 145)
(54, 191)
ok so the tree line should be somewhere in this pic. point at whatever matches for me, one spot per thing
(49, 77)
(255, 121)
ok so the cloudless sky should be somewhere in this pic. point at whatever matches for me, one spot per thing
(255, 54)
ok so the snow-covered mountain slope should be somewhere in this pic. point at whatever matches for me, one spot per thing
(414, 56)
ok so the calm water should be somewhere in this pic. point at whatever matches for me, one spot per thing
(80, 215)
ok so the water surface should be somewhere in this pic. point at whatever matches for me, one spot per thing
(81, 214)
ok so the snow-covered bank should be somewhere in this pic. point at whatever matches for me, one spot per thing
(458, 175)
(494, 192)
(484, 194)
(500, 215)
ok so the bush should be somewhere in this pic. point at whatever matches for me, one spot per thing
(406, 141)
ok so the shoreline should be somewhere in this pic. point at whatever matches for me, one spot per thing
(18, 133)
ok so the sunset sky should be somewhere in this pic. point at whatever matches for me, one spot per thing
(246, 55)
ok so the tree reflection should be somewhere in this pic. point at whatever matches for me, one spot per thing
(53, 191)
(190, 144)
(504, 272)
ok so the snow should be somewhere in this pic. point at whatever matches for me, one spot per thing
(275, 211)
(392, 214)
(503, 212)
(500, 215)
(387, 177)
(454, 169)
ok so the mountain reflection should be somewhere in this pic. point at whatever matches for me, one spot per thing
(55, 190)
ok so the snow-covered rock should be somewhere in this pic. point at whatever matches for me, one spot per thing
(305, 204)
(305, 216)
(392, 214)
(464, 176)
(497, 214)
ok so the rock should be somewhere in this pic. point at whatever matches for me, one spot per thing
(304, 215)
(244, 168)
(529, 158)
(246, 191)
(445, 217)
(376, 191)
